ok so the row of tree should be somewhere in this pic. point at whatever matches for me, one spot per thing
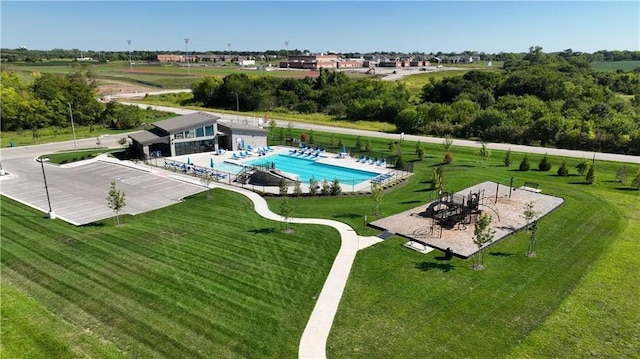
(51, 100)
(541, 99)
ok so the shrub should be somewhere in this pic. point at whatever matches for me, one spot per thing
(591, 175)
(563, 171)
(400, 162)
(448, 157)
(326, 188)
(524, 165)
(335, 187)
(303, 137)
(544, 164)
(507, 158)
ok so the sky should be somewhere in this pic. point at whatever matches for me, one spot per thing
(321, 26)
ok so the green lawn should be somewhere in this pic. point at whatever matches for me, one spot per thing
(612, 66)
(184, 281)
(403, 304)
(73, 156)
(235, 286)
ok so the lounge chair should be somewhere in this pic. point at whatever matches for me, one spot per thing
(249, 148)
(235, 156)
(360, 159)
(269, 148)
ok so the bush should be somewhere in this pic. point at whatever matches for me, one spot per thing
(448, 157)
(591, 175)
(524, 165)
(335, 188)
(400, 163)
(544, 164)
(303, 137)
(507, 158)
(563, 171)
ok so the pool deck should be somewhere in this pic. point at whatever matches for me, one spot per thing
(204, 160)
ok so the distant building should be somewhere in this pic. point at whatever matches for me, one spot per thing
(311, 62)
(247, 62)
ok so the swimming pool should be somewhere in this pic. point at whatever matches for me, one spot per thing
(228, 167)
(305, 168)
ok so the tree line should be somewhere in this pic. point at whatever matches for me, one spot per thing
(50, 100)
(539, 99)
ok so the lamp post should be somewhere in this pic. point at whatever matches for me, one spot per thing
(130, 63)
(51, 214)
(237, 107)
(73, 127)
(186, 48)
(286, 44)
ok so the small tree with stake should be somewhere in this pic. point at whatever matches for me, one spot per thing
(116, 201)
(447, 144)
(507, 158)
(529, 215)
(484, 154)
(482, 235)
(377, 193)
(286, 208)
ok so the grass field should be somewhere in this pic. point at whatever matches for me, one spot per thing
(184, 281)
(612, 66)
(403, 304)
(216, 281)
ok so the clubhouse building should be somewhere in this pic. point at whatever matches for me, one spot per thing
(195, 133)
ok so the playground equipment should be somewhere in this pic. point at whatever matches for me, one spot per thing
(451, 209)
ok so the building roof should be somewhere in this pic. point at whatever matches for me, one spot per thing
(186, 122)
(148, 137)
(230, 126)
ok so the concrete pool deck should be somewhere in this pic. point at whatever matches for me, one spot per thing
(204, 160)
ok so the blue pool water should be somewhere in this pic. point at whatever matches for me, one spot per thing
(305, 168)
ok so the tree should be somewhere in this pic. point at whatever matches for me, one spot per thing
(563, 171)
(484, 154)
(368, 146)
(358, 144)
(583, 167)
(206, 180)
(284, 187)
(326, 188)
(313, 186)
(524, 165)
(377, 193)
(482, 234)
(272, 127)
(297, 189)
(544, 164)
(507, 158)
(419, 151)
(621, 175)
(286, 208)
(335, 187)
(447, 143)
(116, 200)
(530, 214)
(636, 180)
(437, 180)
(590, 178)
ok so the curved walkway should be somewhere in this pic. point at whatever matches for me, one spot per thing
(314, 338)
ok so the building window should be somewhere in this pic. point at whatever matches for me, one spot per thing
(199, 132)
(209, 131)
(189, 134)
(179, 136)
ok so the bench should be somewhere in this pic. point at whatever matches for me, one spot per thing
(531, 186)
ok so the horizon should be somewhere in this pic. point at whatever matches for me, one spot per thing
(361, 27)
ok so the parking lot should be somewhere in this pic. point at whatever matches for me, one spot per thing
(78, 193)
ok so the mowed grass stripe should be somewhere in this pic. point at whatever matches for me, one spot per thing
(222, 312)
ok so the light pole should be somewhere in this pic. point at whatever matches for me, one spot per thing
(286, 44)
(51, 214)
(186, 48)
(73, 127)
(130, 63)
(237, 107)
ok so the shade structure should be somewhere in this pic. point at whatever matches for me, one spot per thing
(344, 149)
(211, 162)
(188, 160)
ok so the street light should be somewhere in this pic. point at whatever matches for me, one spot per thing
(51, 214)
(286, 44)
(73, 127)
(186, 48)
(237, 107)
(130, 63)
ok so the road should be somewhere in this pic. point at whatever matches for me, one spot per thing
(602, 156)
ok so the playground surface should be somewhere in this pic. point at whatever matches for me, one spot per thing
(505, 205)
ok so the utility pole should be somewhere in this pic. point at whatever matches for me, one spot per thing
(286, 44)
(46, 188)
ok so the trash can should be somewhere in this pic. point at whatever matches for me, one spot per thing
(448, 254)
